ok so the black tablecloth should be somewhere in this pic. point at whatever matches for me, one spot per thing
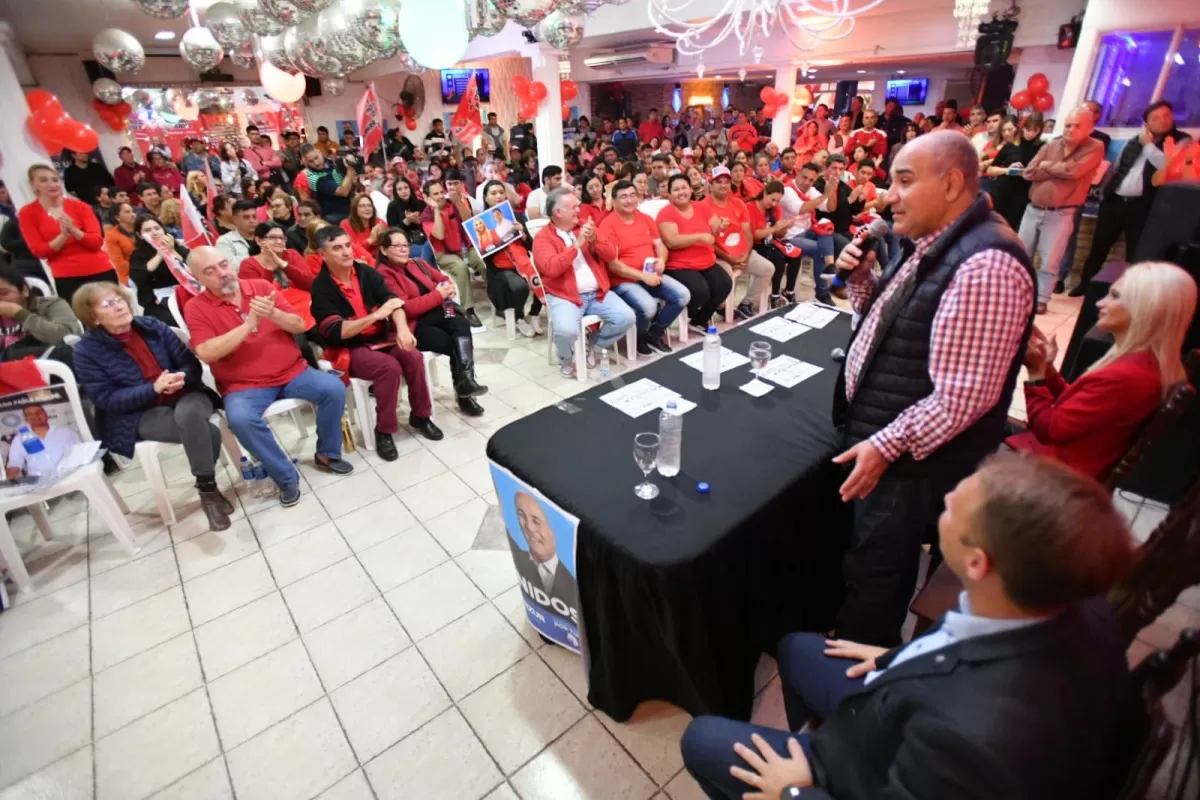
(681, 594)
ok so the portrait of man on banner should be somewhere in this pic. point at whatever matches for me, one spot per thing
(492, 230)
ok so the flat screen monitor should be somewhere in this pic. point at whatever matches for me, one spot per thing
(909, 91)
(454, 84)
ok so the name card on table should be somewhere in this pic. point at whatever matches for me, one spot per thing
(644, 395)
(787, 371)
(729, 360)
(780, 329)
(812, 315)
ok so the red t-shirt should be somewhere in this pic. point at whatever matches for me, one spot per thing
(268, 357)
(732, 238)
(634, 241)
(743, 136)
(353, 293)
(361, 239)
(650, 130)
(452, 226)
(696, 256)
(758, 217)
(874, 140)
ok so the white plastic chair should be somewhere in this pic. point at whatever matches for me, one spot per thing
(364, 406)
(177, 313)
(89, 479)
(40, 285)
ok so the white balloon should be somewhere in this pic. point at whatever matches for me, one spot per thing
(107, 91)
(286, 87)
(118, 50)
(434, 33)
(200, 49)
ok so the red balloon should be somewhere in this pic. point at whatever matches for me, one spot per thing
(767, 95)
(1043, 102)
(527, 109)
(566, 112)
(48, 146)
(410, 123)
(1037, 84)
(568, 89)
(39, 99)
(1021, 100)
(520, 85)
(81, 138)
(538, 91)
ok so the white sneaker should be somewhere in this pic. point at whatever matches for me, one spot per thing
(536, 324)
(526, 329)
(591, 358)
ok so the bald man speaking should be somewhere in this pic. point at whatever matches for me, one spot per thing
(929, 374)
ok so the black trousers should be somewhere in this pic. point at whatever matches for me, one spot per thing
(1116, 216)
(880, 567)
(66, 287)
(708, 287)
(782, 264)
(506, 289)
(436, 333)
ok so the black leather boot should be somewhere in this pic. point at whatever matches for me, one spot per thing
(470, 406)
(465, 383)
(210, 502)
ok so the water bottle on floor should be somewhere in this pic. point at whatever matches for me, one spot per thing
(712, 359)
(605, 363)
(670, 435)
(262, 482)
(248, 474)
(37, 460)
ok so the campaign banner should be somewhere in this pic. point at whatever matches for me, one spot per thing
(542, 538)
(47, 412)
(492, 230)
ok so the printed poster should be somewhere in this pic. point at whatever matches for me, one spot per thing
(47, 412)
(542, 538)
(492, 230)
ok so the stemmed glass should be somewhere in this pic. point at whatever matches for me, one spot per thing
(760, 356)
(645, 453)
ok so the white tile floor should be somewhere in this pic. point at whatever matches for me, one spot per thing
(356, 646)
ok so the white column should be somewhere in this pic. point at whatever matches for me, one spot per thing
(785, 82)
(548, 124)
(18, 149)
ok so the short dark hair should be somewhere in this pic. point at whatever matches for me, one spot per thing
(146, 186)
(321, 128)
(251, 128)
(836, 158)
(245, 205)
(123, 148)
(265, 228)
(551, 171)
(866, 162)
(325, 235)
(452, 175)
(678, 176)
(12, 276)
(490, 114)
(772, 187)
(812, 165)
(311, 205)
(307, 148)
(431, 183)
(660, 158)
(1150, 109)
(220, 202)
(621, 186)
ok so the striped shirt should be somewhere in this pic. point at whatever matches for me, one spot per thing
(973, 340)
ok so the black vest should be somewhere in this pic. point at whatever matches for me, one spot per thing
(895, 374)
(1129, 155)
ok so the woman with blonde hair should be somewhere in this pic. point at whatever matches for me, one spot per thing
(1090, 423)
(197, 189)
(171, 217)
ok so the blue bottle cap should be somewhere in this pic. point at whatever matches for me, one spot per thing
(702, 487)
(712, 328)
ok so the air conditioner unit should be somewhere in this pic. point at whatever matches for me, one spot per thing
(662, 55)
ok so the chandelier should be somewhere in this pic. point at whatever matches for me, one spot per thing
(807, 23)
(969, 14)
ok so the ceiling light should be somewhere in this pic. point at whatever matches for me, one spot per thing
(164, 36)
(862, 72)
(899, 72)
(718, 77)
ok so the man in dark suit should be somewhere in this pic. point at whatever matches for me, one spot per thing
(544, 579)
(1023, 692)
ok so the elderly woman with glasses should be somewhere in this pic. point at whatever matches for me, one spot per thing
(146, 386)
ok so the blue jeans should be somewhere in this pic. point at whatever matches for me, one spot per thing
(1068, 259)
(244, 411)
(818, 247)
(565, 316)
(1047, 233)
(813, 686)
(644, 299)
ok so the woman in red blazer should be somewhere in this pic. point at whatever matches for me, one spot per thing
(1091, 422)
(433, 316)
(65, 232)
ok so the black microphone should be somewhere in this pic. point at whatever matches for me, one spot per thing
(874, 232)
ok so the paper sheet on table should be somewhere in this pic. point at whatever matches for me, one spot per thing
(780, 329)
(645, 395)
(79, 455)
(729, 360)
(812, 315)
(756, 387)
(787, 371)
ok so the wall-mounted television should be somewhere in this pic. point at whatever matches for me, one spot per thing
(454, 84)
(909, 91)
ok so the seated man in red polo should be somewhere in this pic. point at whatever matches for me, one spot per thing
(353, 306)
(245, 332)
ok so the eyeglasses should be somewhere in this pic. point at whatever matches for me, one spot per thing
(404, 245)
(276, 237)
(111, 302)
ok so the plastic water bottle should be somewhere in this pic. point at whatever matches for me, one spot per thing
(670, 446)
(605, 363)
(447, 303)
(262, 483)
(37, 460)
(712, 359)
(248, 474)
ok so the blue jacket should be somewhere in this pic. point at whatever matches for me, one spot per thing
(115, 384)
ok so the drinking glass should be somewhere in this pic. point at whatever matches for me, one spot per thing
(645, 453)
(760, 356)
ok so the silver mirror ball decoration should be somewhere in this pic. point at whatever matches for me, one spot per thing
(483, 19)
(375, 24)
(200, 49)
(526, 13)
(107, 91)
(242, 56)
(164, 9)
(118, 50)
(257, 21)
(226, 25)
(560, 31)
(335, 86)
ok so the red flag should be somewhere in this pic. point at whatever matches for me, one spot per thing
(370, 120)
(465, 124)
(211, 190)
(194, 231)
(174, 262)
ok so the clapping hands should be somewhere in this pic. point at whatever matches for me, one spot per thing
(1040, 354)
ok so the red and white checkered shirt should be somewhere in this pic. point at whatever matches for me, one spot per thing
(975, 335)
